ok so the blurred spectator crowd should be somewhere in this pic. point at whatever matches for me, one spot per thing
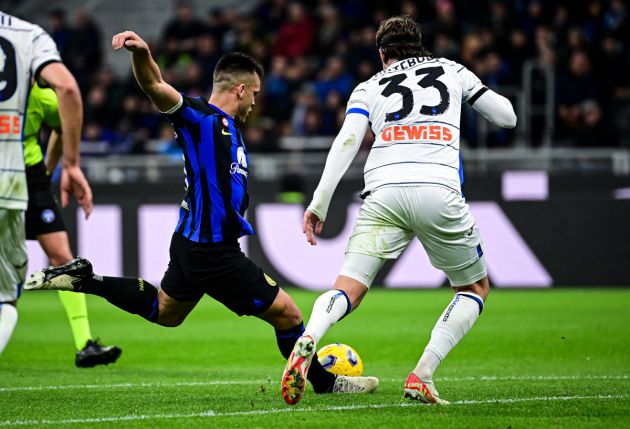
(315, 52)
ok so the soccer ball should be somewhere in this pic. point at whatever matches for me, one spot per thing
(340, 359)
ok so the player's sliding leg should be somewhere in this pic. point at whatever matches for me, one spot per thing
(357, 274)
(90, 352)
(454, 323)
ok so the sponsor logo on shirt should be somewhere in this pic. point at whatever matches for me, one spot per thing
(10, 124)
(407, 133)
(241, 164)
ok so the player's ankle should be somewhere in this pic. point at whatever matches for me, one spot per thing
(424, 374)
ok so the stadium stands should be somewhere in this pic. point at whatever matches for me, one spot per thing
(566, 66)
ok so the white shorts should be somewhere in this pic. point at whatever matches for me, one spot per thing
(13, 255)
(391, 217)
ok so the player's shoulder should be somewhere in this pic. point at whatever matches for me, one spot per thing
(196, 103)
(10, 23)
(450, 65)
(361, 87)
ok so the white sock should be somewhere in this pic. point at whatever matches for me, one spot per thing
(8, 319)
(327, 310)
(453, 324)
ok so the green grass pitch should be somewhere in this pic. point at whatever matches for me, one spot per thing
(553, 358)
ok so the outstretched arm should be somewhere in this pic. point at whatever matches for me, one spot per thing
(146, 71)
(342, 152)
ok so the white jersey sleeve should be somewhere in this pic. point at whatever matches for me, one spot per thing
(471, 85)
(492, 106)
(342, 152)
(24, 50)
(358, 101)
(44, 52)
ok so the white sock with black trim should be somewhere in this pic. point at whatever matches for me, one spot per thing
(8, 320)
(453, 324)
(329, 308)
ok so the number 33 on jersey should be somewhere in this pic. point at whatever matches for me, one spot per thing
(414, 108)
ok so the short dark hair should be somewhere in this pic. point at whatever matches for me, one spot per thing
(399, 37)
(233, 64)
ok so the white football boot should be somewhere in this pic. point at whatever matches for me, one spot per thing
(65, 277)
(358, 384)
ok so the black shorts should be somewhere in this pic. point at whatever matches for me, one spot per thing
(220, 270)
(43, 214)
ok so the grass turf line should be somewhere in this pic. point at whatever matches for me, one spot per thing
(526, 345)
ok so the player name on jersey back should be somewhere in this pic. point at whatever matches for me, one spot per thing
(414, 109)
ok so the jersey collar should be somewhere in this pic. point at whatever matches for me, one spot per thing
(220, 111)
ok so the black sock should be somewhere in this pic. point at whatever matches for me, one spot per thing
(322, 380)
(134, 295)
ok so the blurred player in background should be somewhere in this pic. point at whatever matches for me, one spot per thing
(205, 254)
(45, 224)
(413, 179)
(28, 51)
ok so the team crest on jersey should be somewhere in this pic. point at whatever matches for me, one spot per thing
(225, 122)
(48, 216)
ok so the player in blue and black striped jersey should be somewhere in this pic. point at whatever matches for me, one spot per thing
(205, 257)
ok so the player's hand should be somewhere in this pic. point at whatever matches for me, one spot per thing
(74, 182)
(312, 226)
(130, 41)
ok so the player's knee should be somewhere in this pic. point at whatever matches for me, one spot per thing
(170, 321)
(481, 288)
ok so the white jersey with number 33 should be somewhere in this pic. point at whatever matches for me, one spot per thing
(24, 50)
(414, 108)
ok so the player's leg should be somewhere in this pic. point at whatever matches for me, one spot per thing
(329, 308)
(286, 318)
(44, 222)
(448, 232)
(234, 280)
(90, 352)
(167, 307)
(131, 294)
(13, 264)
(8, 320)
(377, 236)
(358, 272)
